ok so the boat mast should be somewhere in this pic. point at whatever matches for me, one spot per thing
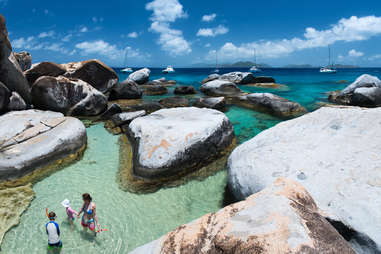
(216, 61)
(255, 58)
(125, 57)
(329, 56)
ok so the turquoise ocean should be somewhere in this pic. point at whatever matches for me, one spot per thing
(135, 219)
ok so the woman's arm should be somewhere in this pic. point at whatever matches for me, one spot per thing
(80, 211)
(95, 216)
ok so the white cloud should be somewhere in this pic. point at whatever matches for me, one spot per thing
(29, 43)
(212, 32)
(375, 57)
(67, 37)
(165, 12)
(208, 18)
(347, 30)
(133, 35)
(105, 49)
(83, 29)
(46, 34)
(207, 45)
(354, 53)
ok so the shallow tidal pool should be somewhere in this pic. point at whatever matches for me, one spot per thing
(131, 219)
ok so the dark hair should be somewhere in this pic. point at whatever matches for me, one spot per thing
(86, 196)
(52, 215)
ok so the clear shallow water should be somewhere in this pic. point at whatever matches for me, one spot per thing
(134, 219)
(131, 219)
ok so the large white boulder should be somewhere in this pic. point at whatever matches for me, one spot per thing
(31, 139)
(333, 152)
(220, 88)
(140, 76)
(281, 219)
(175, 140)
(237, 77)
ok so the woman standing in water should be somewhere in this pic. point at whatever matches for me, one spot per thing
(89, 217)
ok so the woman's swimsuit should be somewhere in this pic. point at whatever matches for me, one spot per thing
(90, 222)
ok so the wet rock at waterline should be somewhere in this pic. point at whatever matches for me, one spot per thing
(69, 96)
(365, 91)
(31, 139)
(173, 102)
(140, 76)
(210, 78)
(127, 89)
(16, 102)
(112, 110)
(178, 140)
(43, 69)
(282, 218)
(126, 117)
(185, 90)
(137, 105)
(270, 103)
(334, 153)
(240, 78)
(11, 74)
(93, 72)
(14, 202)
(220, 88)
(155, 90)
(263, 79)
(214, 103)
(24, 59)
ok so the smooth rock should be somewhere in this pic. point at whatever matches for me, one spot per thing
(210, 78)
(240, 78)
(262, 79)
(127, 89)
(270, 103)
(16, 102)
(141, 76)
(185, 90)
(24, 59)
(281, 219)
(177, 140)
(43, 69)
(173, 102)
(155, 90)
(69, 96)
(214, 103)
(220, 88)
(112, 110)
(10, 72)
(334, 153)
(126, 117)
(93, 72)
(4, 97)
(27, 143)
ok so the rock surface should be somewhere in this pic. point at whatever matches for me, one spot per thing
(112, 110)
(240, 78)
(126, 117)
(185, 90)
(140, 76)
(210, 78)
(24, 59)
(10, 72)
(69, 96)
(283, 218)
(155, 90)
(270, 103)
(173, 102)
(31, 139)
(365, 91)
(4, 97)
(334, 153)
(43, 69)
(220, 88)
(16, 102)
(214, 103)
(171, 141)
(127, 89)
(262, 79)
(93, 72)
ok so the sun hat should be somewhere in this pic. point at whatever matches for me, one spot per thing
(65, 203)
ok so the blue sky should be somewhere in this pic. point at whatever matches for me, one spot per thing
(186, 32)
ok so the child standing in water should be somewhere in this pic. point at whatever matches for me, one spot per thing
(69, 211)
(53, 231)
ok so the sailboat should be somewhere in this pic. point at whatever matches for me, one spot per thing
(216, 70)
(169, 69)
(328, 68)
(126, 69)
(254, 68)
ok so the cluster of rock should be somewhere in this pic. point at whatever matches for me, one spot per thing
(365, 92)
(283, 218)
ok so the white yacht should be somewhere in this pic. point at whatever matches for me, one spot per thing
(169, 69)
(329, 68)
(254, 68)
(126, 69)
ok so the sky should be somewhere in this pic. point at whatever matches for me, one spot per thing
(185, 33)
